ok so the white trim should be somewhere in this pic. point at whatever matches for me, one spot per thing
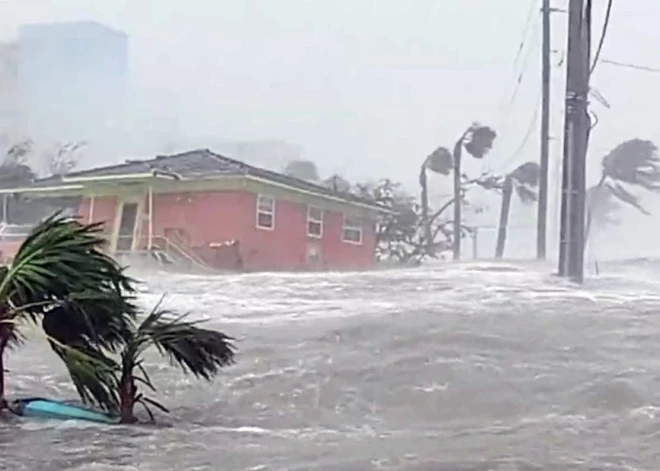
(271, 213)
(155, 174)
(103, 178)
(90, 210)
(150, 235)
(36, 189)
(351, 227)
(134, 199)
(316, 221)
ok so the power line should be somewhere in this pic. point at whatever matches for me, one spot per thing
(517, 74)
(606, 24)
(520, 76)
(627, 65)
(527, 135)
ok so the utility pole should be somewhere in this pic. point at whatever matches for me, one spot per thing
(576, 138)
(542, 216)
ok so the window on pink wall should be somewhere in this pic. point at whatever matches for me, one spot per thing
(314, 222)
(352, 232)
(265, 212)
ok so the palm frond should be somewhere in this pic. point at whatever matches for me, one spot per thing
(103, 318)
(479, 140)
(440, 161)
(625, 196)
(525, 180)
(61, 257)
(526, 193)
(635, 162)
(527, 174)
(201, 352)
(93, 374)
(601, 204)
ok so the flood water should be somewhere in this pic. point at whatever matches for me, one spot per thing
(457, 367)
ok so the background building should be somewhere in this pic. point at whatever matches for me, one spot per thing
(71, 82)
(8, 93)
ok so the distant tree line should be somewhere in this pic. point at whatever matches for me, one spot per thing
(19, 168)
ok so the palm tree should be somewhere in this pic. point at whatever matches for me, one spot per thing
(634, 162)
(302, 169)
(523, 180)
(439, 161)
(61, 275)
(602, 205)
(337, 183)
(201, 352)
(477, 141)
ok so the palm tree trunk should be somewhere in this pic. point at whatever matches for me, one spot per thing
(127, 400)
(589, 212)
(428, 236)
(457, 198)
(4, 339)
(507, 192)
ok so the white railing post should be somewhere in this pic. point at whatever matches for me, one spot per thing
(150, 235)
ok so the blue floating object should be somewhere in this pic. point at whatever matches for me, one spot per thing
(49, 409)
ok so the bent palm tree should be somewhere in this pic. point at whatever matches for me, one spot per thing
(634, 162)
(602, 205)
(201, 352)
(61, 275)
(477, 141)
(523, 180)
(439, 161)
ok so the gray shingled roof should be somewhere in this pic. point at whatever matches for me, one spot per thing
(203, 163)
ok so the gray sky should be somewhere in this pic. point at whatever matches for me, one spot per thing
(368, 86)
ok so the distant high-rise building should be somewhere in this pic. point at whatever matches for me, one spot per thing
(8, 94)
(72, 81)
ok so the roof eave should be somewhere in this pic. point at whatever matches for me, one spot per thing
(41, 189)
(365, 205)
(123, 177)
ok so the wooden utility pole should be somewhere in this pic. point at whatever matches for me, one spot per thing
(576, 138)
(542, 215)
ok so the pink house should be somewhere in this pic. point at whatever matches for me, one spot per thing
(218, 212)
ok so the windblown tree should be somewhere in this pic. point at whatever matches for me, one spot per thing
(195, 350)
(401, 236)
(302, 169)
(523, 180)
(477, 140)
(633, 163)
(602, 207)
(337, 183)
(439, 161)
(61, 276)
(63, 159)
(14, 169)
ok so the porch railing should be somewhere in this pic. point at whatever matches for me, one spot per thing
(175, 249)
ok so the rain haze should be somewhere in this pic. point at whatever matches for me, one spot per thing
(472, 365)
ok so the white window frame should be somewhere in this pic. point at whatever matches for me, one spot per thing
(270, 212)
(310, 220)
(345, 226)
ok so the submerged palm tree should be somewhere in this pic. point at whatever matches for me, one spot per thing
(61, 275)
(477, 141)
(200, 352)
(634, 162)
(523, 180)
